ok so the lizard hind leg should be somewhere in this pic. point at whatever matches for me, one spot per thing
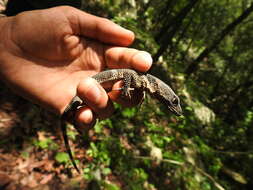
(142, 99)
(127, 86)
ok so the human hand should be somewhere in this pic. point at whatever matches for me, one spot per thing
(48, 55)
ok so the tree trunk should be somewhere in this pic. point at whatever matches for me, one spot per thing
(229, 60)
(176, 23)
(164, 13)
(193, 67)
(181, 36)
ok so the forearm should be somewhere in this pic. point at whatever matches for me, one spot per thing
(3, 21)
(4, 35)
(5, 25)
(7, 48)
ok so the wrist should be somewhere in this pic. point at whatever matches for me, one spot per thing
(5, 43)
(5, 28)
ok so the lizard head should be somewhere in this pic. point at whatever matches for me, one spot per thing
(174, 105)
(164, 94)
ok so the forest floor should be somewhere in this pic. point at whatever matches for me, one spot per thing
(22, 164)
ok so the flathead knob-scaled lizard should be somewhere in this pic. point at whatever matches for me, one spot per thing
(131, 80)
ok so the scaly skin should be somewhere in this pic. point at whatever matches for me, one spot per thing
(132, 80)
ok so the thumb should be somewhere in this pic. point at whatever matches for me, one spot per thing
(98, 28)
(96, 100)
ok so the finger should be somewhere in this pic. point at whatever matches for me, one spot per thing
(72, 46)
(95, 97)
(85, 119)
(116, 91)
(121, 57)
(137, 96)
(98, 28)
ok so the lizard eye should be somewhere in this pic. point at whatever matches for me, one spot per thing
(175, 101)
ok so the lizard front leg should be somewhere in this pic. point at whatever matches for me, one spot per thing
(127, 80)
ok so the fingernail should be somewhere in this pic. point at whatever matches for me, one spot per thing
(86, 116)
(144, 60)
(130, 32)
(93, 93)
(127, 30)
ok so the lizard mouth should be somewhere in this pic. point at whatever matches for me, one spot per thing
(176, 110)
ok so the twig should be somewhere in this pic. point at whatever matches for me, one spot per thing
(216, 184)
(163, 160)
(231, 152)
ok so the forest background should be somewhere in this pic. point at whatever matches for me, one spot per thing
(204, 50)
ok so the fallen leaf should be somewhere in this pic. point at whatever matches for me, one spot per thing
(46, 179)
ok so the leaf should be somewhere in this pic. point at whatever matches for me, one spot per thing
(72, 134)
(235, 175)
(25, 154)
(109, 186)
(42, 144)
(129, 112)
(106, 171)
(62, 157)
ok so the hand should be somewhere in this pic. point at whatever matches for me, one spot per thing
(48, 55)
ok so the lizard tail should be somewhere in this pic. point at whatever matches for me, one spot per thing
(66, 142)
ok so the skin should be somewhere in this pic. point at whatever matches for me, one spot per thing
(47, 56)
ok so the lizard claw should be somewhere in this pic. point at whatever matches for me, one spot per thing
(126, 92)
(118, 89)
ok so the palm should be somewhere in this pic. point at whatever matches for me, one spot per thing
(57, 78)
(51, 51)
(59, 58)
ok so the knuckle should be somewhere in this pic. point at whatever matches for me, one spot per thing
(93, 94)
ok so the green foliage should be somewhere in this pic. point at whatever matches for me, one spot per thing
(109, 186)
(25, 154)
(147, 148)
(72, 134)
(62, 157)
(46, 143)
(129, 112)
(99, 166)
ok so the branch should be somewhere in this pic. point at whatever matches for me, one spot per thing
(163, 160)
(194, 65)
(216, 184)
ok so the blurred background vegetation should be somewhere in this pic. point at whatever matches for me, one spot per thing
(204, 50)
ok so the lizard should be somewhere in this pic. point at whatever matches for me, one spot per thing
(131, 80)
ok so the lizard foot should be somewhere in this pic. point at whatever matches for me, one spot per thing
(127, 92)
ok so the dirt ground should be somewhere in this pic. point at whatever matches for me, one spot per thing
(23, 165)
